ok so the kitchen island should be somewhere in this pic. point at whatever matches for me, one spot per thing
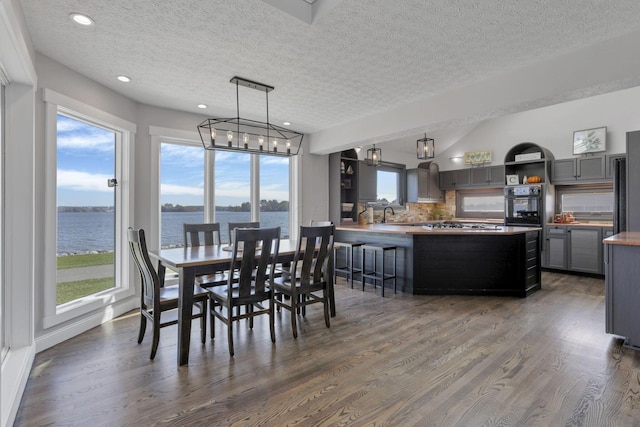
(622, 293)
(496, 260)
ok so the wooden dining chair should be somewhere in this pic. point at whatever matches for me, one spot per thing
(155, 298)
(201, 234)
(204, 234)
(254, 263)
(234, 225)
(310, 284)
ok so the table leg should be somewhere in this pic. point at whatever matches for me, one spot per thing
(185, 311)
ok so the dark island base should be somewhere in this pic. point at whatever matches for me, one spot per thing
(477, 265)
(480, 264)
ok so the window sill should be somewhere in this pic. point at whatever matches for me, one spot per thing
(85, 305)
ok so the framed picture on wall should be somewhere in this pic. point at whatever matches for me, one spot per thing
(590, 140)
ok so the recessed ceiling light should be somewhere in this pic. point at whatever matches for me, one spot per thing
(81, 19)
(124, 79)
(202, 105)
(287, 123)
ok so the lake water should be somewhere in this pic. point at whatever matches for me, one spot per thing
(81, 232)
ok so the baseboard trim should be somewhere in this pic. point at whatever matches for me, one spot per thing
(16, 368)
(83, 324)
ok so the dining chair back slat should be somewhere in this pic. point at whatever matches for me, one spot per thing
(201, 234)
(234, 225)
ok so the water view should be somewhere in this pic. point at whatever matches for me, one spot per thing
(81, 232)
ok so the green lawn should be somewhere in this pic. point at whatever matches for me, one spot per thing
(69, 291)
(84, 260)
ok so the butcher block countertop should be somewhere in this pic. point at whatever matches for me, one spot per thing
(391, 228)
(626, 238)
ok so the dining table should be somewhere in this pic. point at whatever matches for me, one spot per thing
(190, 262)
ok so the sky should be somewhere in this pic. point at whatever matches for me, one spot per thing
(86, 161)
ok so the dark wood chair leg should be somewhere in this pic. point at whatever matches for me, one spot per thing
(143, 327)
(294, 313)
(203, 322)
(272, 327)
(156, 335)
(230, 332)
(325, 296)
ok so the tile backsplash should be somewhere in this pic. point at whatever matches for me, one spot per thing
(418, 212)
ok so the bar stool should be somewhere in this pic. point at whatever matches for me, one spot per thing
(375, 275)
(348, 268)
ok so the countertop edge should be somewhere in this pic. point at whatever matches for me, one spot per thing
(625, 238)
(417, 230)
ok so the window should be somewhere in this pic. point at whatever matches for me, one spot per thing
(181, 190)
(88, 207)
(586, 202)
(197, 185)
(390, 184)
(274, 193)
(233, 184)
(480, 203)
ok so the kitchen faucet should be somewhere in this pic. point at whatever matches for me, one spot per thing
(384, 213)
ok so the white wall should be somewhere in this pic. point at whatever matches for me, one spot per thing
(552, 127)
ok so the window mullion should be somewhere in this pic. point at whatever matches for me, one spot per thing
(254, 197)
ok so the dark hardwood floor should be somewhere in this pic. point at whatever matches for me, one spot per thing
(402, 361)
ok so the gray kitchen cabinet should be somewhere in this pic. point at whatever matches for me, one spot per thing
(423, 184)
(606, 232)
(610, 161)
(575, 248)
(578, 169)
(633, 181)
(556, 247)
(622, 293)
(585, 249)
(454, 179)
(490, 176)
(367, 182)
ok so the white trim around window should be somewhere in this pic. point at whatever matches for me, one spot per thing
(97, 303)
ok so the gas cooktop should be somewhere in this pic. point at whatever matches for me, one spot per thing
(461, 225)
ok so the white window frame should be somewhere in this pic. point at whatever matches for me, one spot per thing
(125, 132)
(176, 136)
(4, 342)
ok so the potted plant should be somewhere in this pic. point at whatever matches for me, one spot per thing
(437, 213)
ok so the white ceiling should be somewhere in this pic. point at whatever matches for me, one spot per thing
(357, 59)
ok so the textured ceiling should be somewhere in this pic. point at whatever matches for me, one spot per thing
(358, 59)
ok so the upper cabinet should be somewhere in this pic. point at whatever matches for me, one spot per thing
(578, 169)
(610, 161)
(423, 184)
(491, 176)
(451, 180)
(486, 176)
(367, 183)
